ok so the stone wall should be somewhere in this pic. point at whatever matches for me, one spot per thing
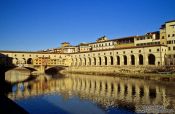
(113, 70)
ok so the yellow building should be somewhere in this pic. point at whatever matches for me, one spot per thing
(168, 37)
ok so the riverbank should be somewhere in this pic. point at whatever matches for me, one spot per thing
(147, 73)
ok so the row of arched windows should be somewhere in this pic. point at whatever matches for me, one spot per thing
(22, 61)
(110, 61)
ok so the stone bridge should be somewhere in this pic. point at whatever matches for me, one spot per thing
(39, 68)
(39, 61)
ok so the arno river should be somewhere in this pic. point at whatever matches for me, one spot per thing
(89, 94)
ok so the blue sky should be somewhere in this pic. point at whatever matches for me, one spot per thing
(40, 24)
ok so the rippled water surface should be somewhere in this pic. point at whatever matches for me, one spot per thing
(89, 94)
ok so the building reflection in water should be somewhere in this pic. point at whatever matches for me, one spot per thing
(102, 90)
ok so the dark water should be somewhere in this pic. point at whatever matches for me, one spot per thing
(88, 94)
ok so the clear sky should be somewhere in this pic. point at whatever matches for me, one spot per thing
(40, 24)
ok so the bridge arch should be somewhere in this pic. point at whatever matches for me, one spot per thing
(54, 70)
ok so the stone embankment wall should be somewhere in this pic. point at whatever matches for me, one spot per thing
(114, 69)
(142, 72)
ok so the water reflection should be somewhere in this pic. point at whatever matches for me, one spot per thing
(17, 75)
(108, 93)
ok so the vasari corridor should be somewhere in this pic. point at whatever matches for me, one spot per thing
(87, 57)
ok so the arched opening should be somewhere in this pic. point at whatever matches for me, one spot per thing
(112, 61)
(118, 60)
(75, 62)
(125, 59)
(140, 59)
(72, 63)
(132, 60)
(23, 61)
(151, 59)
(80, 62)
(15, 61)
(94, 61)
(89, 61)
(29, 61)
(99, 60)
(105, 60)
(85, 61)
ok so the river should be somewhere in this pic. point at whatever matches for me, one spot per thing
(89, 94)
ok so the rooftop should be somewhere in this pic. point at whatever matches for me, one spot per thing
(170, 21)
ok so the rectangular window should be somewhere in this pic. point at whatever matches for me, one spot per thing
(173, 47)
(168, 35)
(162, 37)
(168, 42)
